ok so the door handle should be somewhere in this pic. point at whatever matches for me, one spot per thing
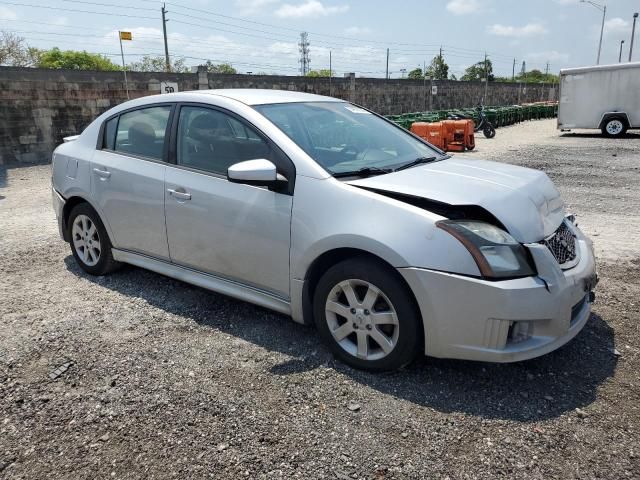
(102, 173)
(178, 194)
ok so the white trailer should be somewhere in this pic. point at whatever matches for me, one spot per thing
(606, 97)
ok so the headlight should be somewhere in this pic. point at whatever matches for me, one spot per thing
(497, 254)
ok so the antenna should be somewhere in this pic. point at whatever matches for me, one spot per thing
(304, 53)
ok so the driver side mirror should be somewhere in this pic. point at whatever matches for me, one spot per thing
(260, 172)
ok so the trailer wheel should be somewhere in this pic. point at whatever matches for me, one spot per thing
(614, 128)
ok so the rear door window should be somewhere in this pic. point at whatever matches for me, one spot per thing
(142, 132)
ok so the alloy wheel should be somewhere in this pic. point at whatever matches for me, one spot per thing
(614, 127)
(362, 320)
(86, 240)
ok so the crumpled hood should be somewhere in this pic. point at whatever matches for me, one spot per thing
(524, 200)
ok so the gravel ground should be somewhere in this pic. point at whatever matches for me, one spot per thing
(139, 376)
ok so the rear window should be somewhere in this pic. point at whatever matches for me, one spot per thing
(110, 134)
(142, 132)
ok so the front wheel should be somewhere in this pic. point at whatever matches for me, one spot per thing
(614, 128)
(366, 315)
(489, 131)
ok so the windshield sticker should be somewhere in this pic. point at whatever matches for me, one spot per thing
(355, 109)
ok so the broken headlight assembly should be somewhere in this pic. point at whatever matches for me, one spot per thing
(497, 254)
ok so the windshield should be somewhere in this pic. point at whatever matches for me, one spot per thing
(342, 137)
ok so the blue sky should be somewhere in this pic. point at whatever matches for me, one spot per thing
(262, 35)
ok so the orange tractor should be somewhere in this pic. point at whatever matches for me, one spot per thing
(447, 135)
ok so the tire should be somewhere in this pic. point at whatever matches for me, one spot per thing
(614, 128)
(489, 131)
(377, 295)
(90, 244)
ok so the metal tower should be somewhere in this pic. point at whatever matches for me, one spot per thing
(304, 53)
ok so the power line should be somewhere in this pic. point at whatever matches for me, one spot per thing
(109, 5)
(111, 14)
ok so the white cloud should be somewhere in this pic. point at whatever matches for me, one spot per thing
(567, 2)
(463, 7)
(552, 56)
(7, 14)
(510, 31)
(616, 25)
(60, 21)
(355, 31)
(248, 7)
(284, 48)
(311, 8)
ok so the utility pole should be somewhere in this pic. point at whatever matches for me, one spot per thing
(304, 53)
(387, 76)
(486, 79)
(166, 45)
(546, 70)
(520, 81)
(603, 9)
(330, 72)
(620, 54)
(633, 34)
(424, 84)
(124, 67)
(513, 71)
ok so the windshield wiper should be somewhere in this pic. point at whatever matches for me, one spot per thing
(417, 161)
(363, 172)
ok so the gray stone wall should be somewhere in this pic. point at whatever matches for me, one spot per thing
(40, 107)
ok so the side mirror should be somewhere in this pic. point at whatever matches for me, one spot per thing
(259, 172)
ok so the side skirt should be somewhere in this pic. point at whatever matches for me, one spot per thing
(205, 280)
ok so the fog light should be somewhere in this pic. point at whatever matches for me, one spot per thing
(519, 332)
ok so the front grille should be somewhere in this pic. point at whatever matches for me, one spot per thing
(562, 244)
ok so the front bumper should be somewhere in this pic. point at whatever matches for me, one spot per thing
(473, 319)
(58, 206)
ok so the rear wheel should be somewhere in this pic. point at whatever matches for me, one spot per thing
(89, 241)
(614, 128)
(366, 316)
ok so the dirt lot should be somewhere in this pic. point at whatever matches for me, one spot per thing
(165, 380)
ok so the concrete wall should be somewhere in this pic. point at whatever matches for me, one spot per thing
(40, 107)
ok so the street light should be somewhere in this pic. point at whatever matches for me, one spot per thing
(620, 55)
(633, 34)
(603, 9)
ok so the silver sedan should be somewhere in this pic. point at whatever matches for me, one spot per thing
(325, 211)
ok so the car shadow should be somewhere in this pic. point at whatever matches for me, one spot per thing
(628, 135)
(532, 390)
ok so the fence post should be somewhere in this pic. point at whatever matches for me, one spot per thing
(203, 78)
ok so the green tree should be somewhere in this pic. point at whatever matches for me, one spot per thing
(150, 63)
(477, 71)
(536, 76)
(219, 68)
(532, 76)
(438, 69)
(324, 72)
(72, 60)
(453, 77)
(415, 74)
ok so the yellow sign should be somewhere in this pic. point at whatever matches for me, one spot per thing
(126, 36)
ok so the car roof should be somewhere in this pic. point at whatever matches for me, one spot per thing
(259, 96)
